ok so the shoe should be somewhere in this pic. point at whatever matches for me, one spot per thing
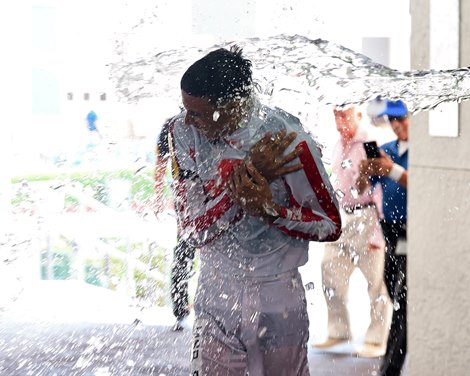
(370, 350)
(330, 342)
(182, 323)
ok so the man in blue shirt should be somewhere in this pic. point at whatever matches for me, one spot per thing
(390, 171)
(91, 119)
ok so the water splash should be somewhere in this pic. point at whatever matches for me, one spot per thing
(339, 194)
(396, 305)
(354, 258)
(295, 69)
(330, 292)
(347, 163)
(309, 286)
(354, 192)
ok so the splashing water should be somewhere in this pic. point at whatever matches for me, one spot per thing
(381, 298)
(309, 286)
(360, 227)
(262, 331)
(330, 292)
(354, 258)
(396, 305)
(297, 70)
(347, 163)
(354, 192)
(339, 194)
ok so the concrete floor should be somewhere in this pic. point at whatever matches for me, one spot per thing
(64, 329)
(87, 349)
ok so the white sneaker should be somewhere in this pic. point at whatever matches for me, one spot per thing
(371, 350)
(330, 342)
(177, 327)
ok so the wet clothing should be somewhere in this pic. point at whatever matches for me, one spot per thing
(240, 252)
(345, 162)
(340, 260)
(394, 195)
(163, 150)
(259, 325)
(183, 256)
(395, 280)
(183, 253)
(235, 241)
(360, 228)
(394, 230)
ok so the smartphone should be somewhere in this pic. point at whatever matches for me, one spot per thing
(372, 150)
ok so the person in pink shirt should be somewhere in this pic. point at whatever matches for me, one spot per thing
(361, 244)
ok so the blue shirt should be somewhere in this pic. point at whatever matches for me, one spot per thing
(91, 120)
(394, 195)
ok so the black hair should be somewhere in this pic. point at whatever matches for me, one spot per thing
(220, 76)
(397, 118)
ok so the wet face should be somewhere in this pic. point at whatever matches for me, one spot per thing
(347, 122)
(400, 127)
(212, 121)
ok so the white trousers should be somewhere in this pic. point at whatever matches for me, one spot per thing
(339, 261)
(254, 326)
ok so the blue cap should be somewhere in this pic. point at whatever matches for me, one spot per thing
(394, 109)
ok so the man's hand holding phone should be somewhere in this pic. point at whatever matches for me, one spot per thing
(372, 150)
(378, 163)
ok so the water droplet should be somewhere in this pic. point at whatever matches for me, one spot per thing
(309, 286)
(262, 114)
(396, 305)
(330, 292)
(354, 258)
(354, 192)
(270, 210)
(333, 178)
(381, 298)
(295, 283)
(205, 236)
(102, 371)
(222, 225)
(224, 296)
(130, 363)
(262, 331)
(360, 227)
(347, 163)
(339, 194)
(216, 115)
(82, 362)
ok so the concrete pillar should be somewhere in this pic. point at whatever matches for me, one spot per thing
(439, 218)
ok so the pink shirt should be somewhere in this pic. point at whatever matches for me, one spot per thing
(345, 170)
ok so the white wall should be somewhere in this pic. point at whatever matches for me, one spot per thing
(439, 240)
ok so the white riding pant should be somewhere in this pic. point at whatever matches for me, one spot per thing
(250, 326)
